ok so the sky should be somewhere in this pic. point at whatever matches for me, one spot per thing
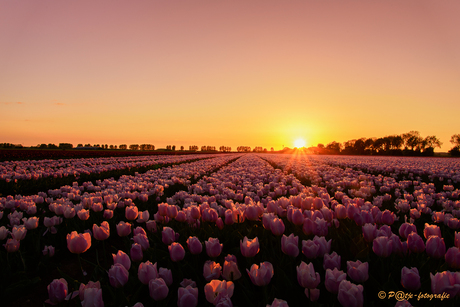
(233, 73)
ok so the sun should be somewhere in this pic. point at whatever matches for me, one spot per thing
(299, 143)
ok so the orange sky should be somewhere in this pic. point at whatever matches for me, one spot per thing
(255, 73)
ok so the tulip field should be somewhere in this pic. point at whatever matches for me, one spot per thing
(230, 229)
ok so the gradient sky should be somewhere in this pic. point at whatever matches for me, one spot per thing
(220, 72)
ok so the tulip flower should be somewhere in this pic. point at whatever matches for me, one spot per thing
(406, 229)
(435, 247)
(187, 296)
(310, 249)
(249, 248)
(19, 232)
(277, 226)
(445, 282)
(369, 232)
(93, 298)
(431, 230)
(278, 303)
(410, 278)
(57, 291)
(457, 239)
(333, 279)
(101, 233)
(83, 287)
(211, 270)
(261, 276)
(358, 271)
(306, 275)
(131, 212)
(143, 216)
(331, 261)
(230, 270)
(108, 214)
(415, 243)
(123, 229)
(78, 243)
(312, 294)
(3, 233)
(194, 245)
(382, 246)
(168, 235)
(83, 214)
(48, 250)
(216, 289)
(350, 295)
(118, 275)
(122, 259)
(290, 245)
(31, 223)
(158, 289)
(166, 274)
(453, 257)
(136, 252)
(142, 240)
(324, 247)
(151, 226)
(176, 252)
(213, 247)
(147, 271)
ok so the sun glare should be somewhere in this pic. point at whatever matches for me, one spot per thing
(299, 143)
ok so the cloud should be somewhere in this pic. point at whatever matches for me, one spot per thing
(7, 103)
(59, 104)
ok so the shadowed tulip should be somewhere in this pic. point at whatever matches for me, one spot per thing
(3, 233)
(382, 246)
(333, 279)
(101, 232)
(249, 248)
(142, 240)
(168, 235)
(108, 214)
(435, 247)
(136, 252)
(83, 214)
(306, 275)
(122, 259)
(147, 271)
(166, 274)
(194, 245)
(230, 270)
(158, 289)
(187, 296)
(350, 295)
(123, 229)
(213, 247)
(277, 226)
(369, 232)
(278, 303)
(151, 226)
(446, 281)
(261, 276)
(331, 261)
(310, 249)
(211, 270)
(216, 289)
(131, 213)
(406, 229)
(143, 216)
(224, 301)
(410, 278)
(176, 251)
(118, 275)
(457, 239)
(453, 257)
(312, 294)
(290, 245)
(19, 232)
(415, 243)
(57, 291)
(431, 230)
(31, 222)
(93, 298)
(324, 247)
(78, 243)
(83, 287)
(358, 271)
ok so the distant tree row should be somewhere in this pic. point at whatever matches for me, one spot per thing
(411, 143)
(9, 145)
(225, 149)
(243, 149)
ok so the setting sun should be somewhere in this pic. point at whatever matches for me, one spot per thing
(299, 143)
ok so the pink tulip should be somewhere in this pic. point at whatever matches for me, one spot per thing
(310, 249)
(139, 230)
(194, 245)
(151, 226)
(93, 298)
(332, 261)
(108, 214)
(78, 243)
(453, 257)
(324, 247)
(410, 278)
(122, 259)
(445, 282)
(211, 270)
(224, 301)
(350, 295)
(382, 246)
(457, 239)
(123, 229)
(19, 232)
(406, 229)
(435, 247)
(261, 276)
(3, 233)
(147, 271)
(97, 207)
(158, 289)
(142, 240)
(118, 275)
(278, 303)
(358, 271)
(83, 287)
(369, 232)
(431, 230)
(131, 212)
(31, 222)
(187, 296)
(101, 233)
(166, 274)
(231, 271)
(216, 289)
(136, 252)
(297, 217)
(277, 226)
(388, 217)
(415, 243)
(306, 275)
(320, 227)
(48, 250)
(340, 211)
(249, 248)
(57, 291)
(176, 252)
(83, 214)
(312, 294)
(213, 247)
(290, 245)
(333, 279)
(168, 235)
(143, 216)
(220, 223)
(69, 212)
